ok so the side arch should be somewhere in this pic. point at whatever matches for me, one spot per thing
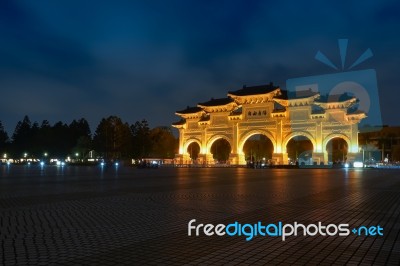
(336, 135)
(190, 141)
(250, 133)
(215, 138)
(297, 134)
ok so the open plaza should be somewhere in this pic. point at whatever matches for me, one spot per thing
(126, 216)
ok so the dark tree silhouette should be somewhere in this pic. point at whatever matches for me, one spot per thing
(22, 138)
(141, 143)
(60, 134)
(3, 140)
(113, 138)
(80, 139)
(45, 137)
(164, 144)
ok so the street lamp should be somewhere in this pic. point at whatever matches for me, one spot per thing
(362, 149)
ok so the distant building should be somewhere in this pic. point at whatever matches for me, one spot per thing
(380, 144)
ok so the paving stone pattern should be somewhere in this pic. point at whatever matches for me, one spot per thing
(127, 216)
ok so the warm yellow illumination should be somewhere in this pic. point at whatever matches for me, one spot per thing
(243, 115)
(204, 149)
(278, 148)
(319, 147)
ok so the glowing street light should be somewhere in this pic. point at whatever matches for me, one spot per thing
(45, 154)
(25, 154)
(5, 156)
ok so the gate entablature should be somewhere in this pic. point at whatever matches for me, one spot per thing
(275, 113)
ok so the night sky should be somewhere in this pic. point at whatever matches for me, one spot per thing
(61, 60)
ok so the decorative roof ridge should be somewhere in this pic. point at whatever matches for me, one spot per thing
(216, 102)
(254, 90)
(190, 110)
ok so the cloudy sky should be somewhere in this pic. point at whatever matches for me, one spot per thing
(61, 60)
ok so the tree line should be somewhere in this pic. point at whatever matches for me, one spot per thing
(113, 139)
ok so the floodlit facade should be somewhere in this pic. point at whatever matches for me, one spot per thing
(277, 114)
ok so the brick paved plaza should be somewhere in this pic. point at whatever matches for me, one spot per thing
(81, 215)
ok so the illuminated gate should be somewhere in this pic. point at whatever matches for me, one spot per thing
(277, 114)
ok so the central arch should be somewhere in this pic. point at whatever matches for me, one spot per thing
(251, 133)
(258, 149)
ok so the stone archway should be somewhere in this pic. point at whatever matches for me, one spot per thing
(298, 134)
(193, 150)
(336, 135)
(190, 141)
(268, 111)
(215, 138)
(258, 149)
(185, 156)
(310, 157)
(251, 133)
(300, 150)
(247, 135)
(331, 151)
(209, 156)
(221, 151)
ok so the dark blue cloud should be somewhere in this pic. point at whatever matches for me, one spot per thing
(60, 60)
